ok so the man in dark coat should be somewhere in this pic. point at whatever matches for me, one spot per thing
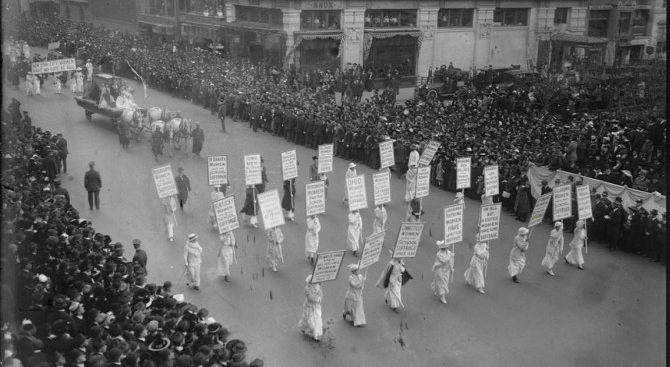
(93, 184)
(183, 187)
(319, 132)
(338, 140)
(300, 128)
(198, 139)
(309, 131)
(223, 111)
(62, 150)
(289, 125)
(140, 257)
(615, 221)
(49, 164)
(60, 191)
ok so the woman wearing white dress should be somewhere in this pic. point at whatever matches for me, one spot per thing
(312, 237)
(443, 270)
(410, 183)
(273, 252)
(353, 299)
(517, 257)
(355, 231)
(37, 83)
(170, 206)
(351, 172)
(216, 195)
(79, 81)
(30, 83)
(310, 320)
(554, 248)
(391, 279)
(379, 224)
(57, 81)
(475, 274)
(226, 255)
(575, 256)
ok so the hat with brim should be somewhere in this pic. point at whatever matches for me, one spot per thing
(558, 224)
(192, 237)
(441, 244)
(352, 267)
(523, 231)
(159, 344)
(352, 165)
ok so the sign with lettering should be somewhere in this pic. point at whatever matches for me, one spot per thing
(271, 211)
(429, 153)
(53, 66)
(539, 210)
(382, 186)
(489, 222)
(358, 198)
(325, 158)
(386, 157)
(463, 173)
(562, 202)
(491, 180)
(327, 266)
(372, 249)
(289, 165)
(453, 224)
(226, 215)
(53, 45)
(584, 202)
(217, 170)
(252, 169)
(322, 5)
(408, 240)
(316, 198)
(422, 182)
(164, 180)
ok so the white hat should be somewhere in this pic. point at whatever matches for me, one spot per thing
(192, 237)
(352, 267)
(441, 244)
(179, 298)
(558, 224)
(309, 278)
(352, 165)
(523, 230)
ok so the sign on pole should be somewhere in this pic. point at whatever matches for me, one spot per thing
(408, 240)
(289, 165)
(53, 45)
(372, 249)
(489, 220)
(358, 198)
(382, 187)
(584, 202)
(327, 266)
(386, 157)
(429, 153)
(462, 173)
(562, 202)
(217, 170)
(316, 198)
(539, 210)
(53, 66)
(453, 224)
(252, 169)
(164, 180)
(325, 158)
(226, 214)
(271, 209)
(422, 182)
(491, 180)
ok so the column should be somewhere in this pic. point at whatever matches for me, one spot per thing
(427, 22)
(353, 25)
(291, 25)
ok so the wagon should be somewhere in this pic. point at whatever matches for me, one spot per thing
(90, 101)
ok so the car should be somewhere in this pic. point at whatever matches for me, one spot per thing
(442, 90)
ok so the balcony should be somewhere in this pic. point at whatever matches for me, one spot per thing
(201, 18)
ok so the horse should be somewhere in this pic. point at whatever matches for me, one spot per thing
(162, 114)
(136, 119)
(174, 131)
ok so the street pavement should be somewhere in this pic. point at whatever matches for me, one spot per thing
(611, 314)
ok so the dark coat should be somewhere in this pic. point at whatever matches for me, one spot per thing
(183, 187)
(92, 180)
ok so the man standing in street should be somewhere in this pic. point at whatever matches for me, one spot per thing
(198, 139)
(140, 257)
(183, 187)
(93, 184)
(62, 149)
(192, 261)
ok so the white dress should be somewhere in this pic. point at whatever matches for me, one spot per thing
(36, 85)
(273, 252)
(354, 231)
(575, 256)
(310, 320)
(379, 224)
(554, 249)
(353, 299)
(474, 275)
(517, 258)
(410, 184)
(312, 237)
(393, 295)
(226, 255)
(443, 269)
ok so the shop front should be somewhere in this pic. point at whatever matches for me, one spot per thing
(255, 43)
(388, 51)
(318, 51)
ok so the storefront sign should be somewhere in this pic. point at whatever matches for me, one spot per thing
(372, 249)
(382, 187)
(327, 266)
(408, 240)
(315, 202)
(489, 222)
(53, 66)
(271, 209)
(358, 198)
(584, 202)
(322, 5)
(217, 170)
(289, 165)
(164, 180)
(462, 173)
(562, 202)
(252, 169)
(325, 158)
(386, 157)
(453, 224)
(226, 215)
(539, 210)
(491, 180)
(429, 153)
(422, 182)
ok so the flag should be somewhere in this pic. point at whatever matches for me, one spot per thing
(144, 85)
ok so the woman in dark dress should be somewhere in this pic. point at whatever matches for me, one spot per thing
(249, 209)
(287, 201)
(451, 174)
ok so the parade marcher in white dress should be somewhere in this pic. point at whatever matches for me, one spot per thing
(310, 320)
(391, 280)
(312, 237)
(517, 257)
(226, 255)
(89, 70)
(443, 271)
(355, 231)
(79, 81)
(57, 81)
(216, 195)
(192, 261)
(379, 224)
(459, 198)
(30, 83)
(351, 172)
(353, 299)
(575, 256)
(324, 178)
(476, 273)
(73, 82)
(554, 248)
(37, 85)
(410, 183)
(170, 207)
(413, 156)
(273, 252)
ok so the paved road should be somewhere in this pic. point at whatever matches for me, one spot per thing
(611, 314)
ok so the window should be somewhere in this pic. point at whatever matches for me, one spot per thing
(377, 18)
(212, 7)
(259, 15)
(561, 15)
(447, 18)
(163, 8)
(624, 22)
(598, 22)
(320, 19)
(640, 21)
(510, 17)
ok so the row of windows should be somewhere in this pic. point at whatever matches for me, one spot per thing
(633, 23)
(211, 7)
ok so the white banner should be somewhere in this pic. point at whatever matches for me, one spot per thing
(289, 165)
(372, 249)
(226, 214)
(164, 180)
(325, 158)
(53, 66)
(562, 205)
(327, 266)
(422, 182)
(584, 202)
(53, 45)
(386, 157)
(252, 170)
(429, 153)
(491, 180)
(382, 187)
(271, 209)
(358, 198)
(489, 220)
(463, 173)
(408, 240)
(539, 210)
(453, 224)
(217, 170)
(315, 202)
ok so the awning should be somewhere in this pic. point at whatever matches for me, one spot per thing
(156, 24)
(579, 39)
(639, 42)
(369, 36)
(251, 27)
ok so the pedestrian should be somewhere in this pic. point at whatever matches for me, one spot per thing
(37, 83)
(250, 207)
(554, 248)
(575, 256)
(517, 257)
(410, 182)
(355, 231)
(264, 178)
(61, 144)
(351, 172)
(392, 281)
(287, 200)
(183, 187)
(198, 140)
(226, 255)
(215, 196)
(60, 193)
(140, 257)
(312, 237)
(310, 321)
(379, 224)
(443, 271)
(273, 252)
(475, 275)
(93, 184)
(192, 261)
(73, 82)
(170, 219)
(353, 299)
(314, 169)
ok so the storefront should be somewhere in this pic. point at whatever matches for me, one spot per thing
(255, 43)
(398, 50)
(578, 51)
(318, 51)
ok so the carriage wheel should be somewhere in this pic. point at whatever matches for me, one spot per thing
(88, 115)
(432, 94)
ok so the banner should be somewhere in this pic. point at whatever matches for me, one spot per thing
(429, 153)
(164, 181)
(453, 224)
(381, 182)
(53, 66)
(358, 198)
(217, 170)
(53, 45)
(325, 158)
(252, 170)
(584, 202)
(463, 173)
(489, 222)
(408, 240)
(327, 266)
(386, 157)
(422, 182)
(491, 180)
(226, 214)
(316, 198)
(271, 209)
(372, 249)
(562, 202)
(539, 210)
(289, 165)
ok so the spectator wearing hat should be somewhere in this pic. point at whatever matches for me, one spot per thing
(638, 219)
(192, 261)
(443, 271)
(226, 255)
(615, 219)
(575, 256)
(554, 247)
(140, 256)
(183, 187)
(310, 321)
(93, 184)
(351, 172)
(517, 257)
(273, 251)
(353, 299)
(60, 191)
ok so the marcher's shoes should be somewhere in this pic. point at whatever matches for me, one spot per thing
(515, 279)
(580, 267)
(566, 260)
(354, 253)
(196, 288)
(481, 290)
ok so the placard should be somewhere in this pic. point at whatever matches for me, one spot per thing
(381, 182)
(217, 170)
(463, 173)
(489, 222)
(453, 224)
(422, 182)
(271, 209)
(491, 180)
(164, 180)
(539, 210)
(327, 266)
(325, 158)
(226, 214)
(358, 198)
(289, 165)
(429, 153)
(562, 202)
(408, 240)
(53, 45)
(252, 169)
(372, 249)
(386, 157)
(316, 198)
(584, 202)
(53, 66)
